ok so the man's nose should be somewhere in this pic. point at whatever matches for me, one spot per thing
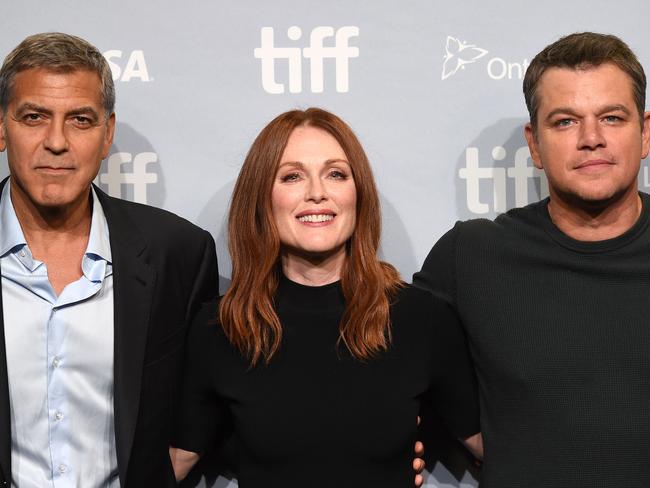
(56, 140)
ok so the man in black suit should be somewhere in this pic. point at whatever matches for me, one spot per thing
(96, 292)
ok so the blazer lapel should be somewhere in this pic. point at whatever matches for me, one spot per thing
(5, 413)
(133, 284)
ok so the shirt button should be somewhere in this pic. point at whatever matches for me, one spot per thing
(58, 416)
(56, 361)
(22, 253)
(62, 468)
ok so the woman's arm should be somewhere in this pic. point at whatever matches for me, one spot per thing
(183, 461)
(474, 444)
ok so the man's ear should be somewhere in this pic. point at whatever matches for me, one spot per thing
(645, 135)
(3, 131)
(531, 139)
(110, 133)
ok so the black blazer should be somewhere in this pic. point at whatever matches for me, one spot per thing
(163, 268)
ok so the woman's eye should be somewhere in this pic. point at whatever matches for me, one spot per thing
(338, 175)
(289, 177)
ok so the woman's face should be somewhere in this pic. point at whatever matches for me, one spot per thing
(314, 197)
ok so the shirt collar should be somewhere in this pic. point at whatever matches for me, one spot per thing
(98, 242)
(12, 237)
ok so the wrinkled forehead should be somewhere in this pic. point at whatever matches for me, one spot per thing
(53, 77)
(56, 85)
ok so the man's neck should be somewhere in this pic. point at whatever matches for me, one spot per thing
(596, 223)
(57, 236)
(40, 224)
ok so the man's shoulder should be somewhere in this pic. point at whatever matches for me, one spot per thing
(143, 212)
(517, 220)
(146, 217)
(413, 301)
(163, 233)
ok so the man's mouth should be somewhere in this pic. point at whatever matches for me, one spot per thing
(54, 169)
(594, 163)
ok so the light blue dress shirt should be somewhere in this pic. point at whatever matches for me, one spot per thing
(59, 362)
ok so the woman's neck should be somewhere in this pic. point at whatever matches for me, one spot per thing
(313, 269)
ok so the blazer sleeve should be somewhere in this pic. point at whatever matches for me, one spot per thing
(202, 413)
(206, 283)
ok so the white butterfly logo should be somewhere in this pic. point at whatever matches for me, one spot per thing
(462, 54)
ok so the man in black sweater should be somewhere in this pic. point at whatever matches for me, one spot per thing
(554, 296)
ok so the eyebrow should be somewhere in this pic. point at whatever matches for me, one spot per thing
(27, 106)
(616, 108)
(569, 111)
(33, 107)
(301, 164)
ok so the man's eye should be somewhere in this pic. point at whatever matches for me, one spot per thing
(563, 122)
(612, 119)
(32, 117)
(81, 120)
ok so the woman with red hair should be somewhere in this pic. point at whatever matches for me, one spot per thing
(318, 355)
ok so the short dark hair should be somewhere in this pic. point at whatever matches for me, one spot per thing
(584, 50)
(59, 52)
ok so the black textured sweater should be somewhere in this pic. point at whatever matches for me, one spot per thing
(315, 416)
(559, 331)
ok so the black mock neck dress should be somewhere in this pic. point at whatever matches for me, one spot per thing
(315, 416)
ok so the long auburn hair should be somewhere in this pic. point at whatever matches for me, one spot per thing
(246, 312)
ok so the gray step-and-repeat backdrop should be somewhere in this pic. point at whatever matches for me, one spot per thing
(432, 88)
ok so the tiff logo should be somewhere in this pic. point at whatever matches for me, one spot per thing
(316, 52)
(138, 178)
(517, 174)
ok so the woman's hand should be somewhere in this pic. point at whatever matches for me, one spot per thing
(475, 445)
(182, 461)
(418, 463)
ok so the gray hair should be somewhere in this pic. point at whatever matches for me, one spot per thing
(58, 52)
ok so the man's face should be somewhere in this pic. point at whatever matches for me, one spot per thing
(56, 134)
(589, 141)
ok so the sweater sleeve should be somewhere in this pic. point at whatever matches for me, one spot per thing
(455, 391)
(438, 271)
(201, 414)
